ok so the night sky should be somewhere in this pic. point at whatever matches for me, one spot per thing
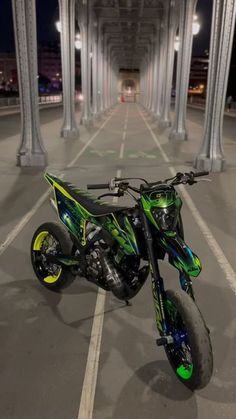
(47, 13)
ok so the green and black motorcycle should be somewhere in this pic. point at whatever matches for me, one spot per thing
(117, 247)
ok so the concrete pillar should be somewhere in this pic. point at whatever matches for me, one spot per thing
(31, 151)
(187, 9)
(171, 27)
(100, 69)
(150, 79)
(105, 72)
(85, 61)
(211, 155)
(154, 80)
(160, 71)
(109, 77)
(95, 68)
(67, 18)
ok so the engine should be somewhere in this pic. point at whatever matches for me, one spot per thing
(121, 276)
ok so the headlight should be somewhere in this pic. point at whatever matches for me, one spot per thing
(166, 218)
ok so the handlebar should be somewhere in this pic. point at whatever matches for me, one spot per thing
(99, 186)
(122, 184)
(198, 174)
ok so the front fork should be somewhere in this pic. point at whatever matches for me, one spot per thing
(157, 281)
(158, 290)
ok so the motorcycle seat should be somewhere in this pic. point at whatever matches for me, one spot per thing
(94, 206)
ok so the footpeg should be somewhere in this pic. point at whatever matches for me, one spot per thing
(164, 340)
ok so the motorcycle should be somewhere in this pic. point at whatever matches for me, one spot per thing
(117, 247)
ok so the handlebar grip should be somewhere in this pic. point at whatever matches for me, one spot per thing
(198, 174)
(99, 186)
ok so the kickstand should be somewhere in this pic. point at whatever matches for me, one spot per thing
(128, 303)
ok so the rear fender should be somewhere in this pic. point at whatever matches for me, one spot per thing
(181, 255)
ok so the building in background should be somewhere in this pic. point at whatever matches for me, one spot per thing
(198, 75)
(49, 67)
(8, 72)
(49, 70)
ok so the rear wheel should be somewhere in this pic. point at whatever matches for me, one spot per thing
(191, 353)
(50, 238)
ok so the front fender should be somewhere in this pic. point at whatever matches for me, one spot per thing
(181, 255)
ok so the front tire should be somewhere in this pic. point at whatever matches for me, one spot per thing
(191, 353)
(51, 238)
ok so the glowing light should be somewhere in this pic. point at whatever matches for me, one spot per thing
(196, 25)
(78, 43)
(81, 97)
(58, 25)
(177, 43)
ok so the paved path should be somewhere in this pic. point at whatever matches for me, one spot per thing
(45, 337)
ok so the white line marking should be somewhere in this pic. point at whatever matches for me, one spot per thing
(212, 242)
(124, 136)
(89, 142)
(19, 226)
(91, 371)
(122, 151)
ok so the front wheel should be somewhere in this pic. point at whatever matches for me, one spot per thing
(190, 354)
(50, 239)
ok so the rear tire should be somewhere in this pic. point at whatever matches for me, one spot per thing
(197, 373)
(53, 277)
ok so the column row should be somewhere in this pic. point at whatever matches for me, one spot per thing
(157, 74)
(99, 73)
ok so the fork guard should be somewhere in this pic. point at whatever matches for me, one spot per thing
(181, 255)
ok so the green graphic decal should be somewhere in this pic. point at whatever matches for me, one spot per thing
(185, 372)
(112, 226)
(157, 308)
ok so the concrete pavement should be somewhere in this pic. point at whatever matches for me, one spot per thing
(45, 336)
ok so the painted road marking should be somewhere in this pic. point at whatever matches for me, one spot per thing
(212, 242)
(142, 154)
(122, 151)
(91, 371)
(102, 153)
(21, 224)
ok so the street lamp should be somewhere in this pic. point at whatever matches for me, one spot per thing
(77, 36)
(196, 25)
(58, 25)
(196, 28)
(78, 42)
(177, 43)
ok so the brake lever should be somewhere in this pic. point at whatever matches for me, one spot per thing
(112, 184)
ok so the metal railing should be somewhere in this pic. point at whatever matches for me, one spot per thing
(43, 100)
